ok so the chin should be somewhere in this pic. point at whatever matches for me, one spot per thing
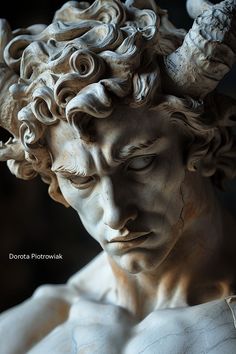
(138, 261)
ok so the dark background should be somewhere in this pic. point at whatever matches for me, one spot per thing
(30, 222)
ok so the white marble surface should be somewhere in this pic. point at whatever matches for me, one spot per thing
(89, 102)
(48, 324)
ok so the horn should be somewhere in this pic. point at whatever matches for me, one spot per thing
(8, 106)
(207, 53)
(196, 7)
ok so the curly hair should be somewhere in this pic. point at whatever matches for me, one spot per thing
(87, 59)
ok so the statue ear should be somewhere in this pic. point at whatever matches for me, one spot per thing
(203, 161)
(201, 158)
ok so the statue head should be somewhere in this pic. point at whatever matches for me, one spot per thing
(116, 110)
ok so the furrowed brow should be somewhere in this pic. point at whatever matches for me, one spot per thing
(130, 150)
(68, 171)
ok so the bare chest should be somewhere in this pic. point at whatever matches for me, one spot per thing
(105, 329)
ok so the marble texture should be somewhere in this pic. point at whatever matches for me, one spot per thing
(116, 110)
(63, 319)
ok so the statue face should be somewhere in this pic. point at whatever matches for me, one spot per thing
(127, 185)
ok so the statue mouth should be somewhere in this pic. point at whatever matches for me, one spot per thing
(132, 236)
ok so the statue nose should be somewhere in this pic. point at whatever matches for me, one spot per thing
(116, 209)
(117, 218)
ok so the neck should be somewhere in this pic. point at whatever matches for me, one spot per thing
(188, 275)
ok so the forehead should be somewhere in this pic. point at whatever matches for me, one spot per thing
(126, 127)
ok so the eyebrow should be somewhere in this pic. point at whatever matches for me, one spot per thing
(130, 150)
(120, 156)
(69, 170)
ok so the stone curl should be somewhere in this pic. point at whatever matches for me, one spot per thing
(80, 64)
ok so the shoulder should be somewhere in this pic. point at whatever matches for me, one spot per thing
(205, 328)
(24, 325)
(49, 307)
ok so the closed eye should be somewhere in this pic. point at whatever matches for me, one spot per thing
(140, 163)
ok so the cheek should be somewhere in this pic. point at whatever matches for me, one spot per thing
(164, 182)
(86, 205)
(163, 195)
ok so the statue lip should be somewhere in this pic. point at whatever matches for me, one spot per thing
(131, 236)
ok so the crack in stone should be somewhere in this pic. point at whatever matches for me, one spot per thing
(183, 201)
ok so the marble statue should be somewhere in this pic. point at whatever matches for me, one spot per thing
(117, 110)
